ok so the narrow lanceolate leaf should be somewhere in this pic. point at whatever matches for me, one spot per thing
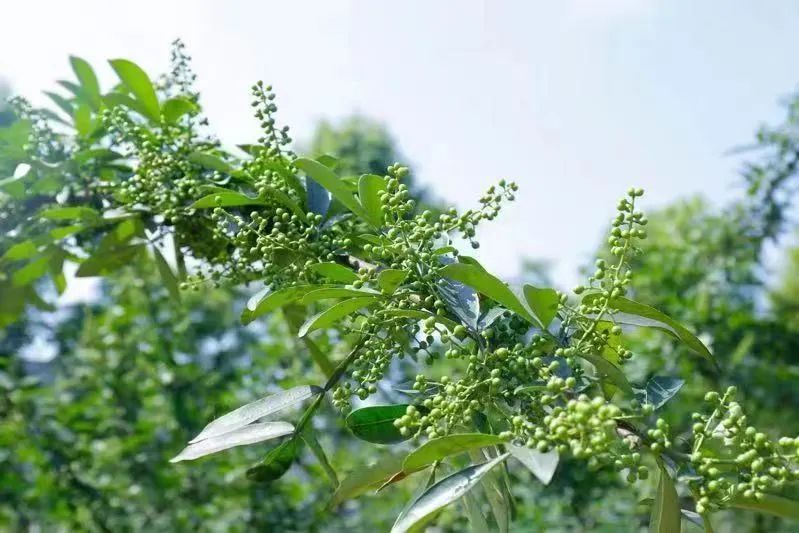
(607, 370)
(488, 285)
(210, 161)
(139, 84)
(461, 300)
(335, 313)
(276, 463)
(389, 279)
(543, 302)
(88, 81)
(70, 213)
(441, 447)
(444, 493)
(328, 292)
(376, 423)
(268, 301)
(369, 188)
(167, 275)
(313, 443)
(226, 199)
(255, 410)
(660, 389)
(638, 314)
(325, 177)
(365, 478)
(334, 272)
(239, 437)
(541, 464)
(175, 108)
(770, 504)
(666, 507)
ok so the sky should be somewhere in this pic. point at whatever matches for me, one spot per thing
(575, 100)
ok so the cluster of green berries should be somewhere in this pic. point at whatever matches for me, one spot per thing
(733, 459)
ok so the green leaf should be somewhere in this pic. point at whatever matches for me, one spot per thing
(477, 521)
(543, 302)
(21, 250)
(423, 315)
(31, 271)
(167, 276)
(83, 120)
(441, 447)
(175, 108)
(660, 389)
(88, 81)
(124, 100)
(139, 84)
(376, 423)
(638, 314)
(444, 493)
(609, 371)
(666, 507)
(254, 410)
(484, 283)
(389, 279)
(541, 464)
(328, 161)
(104, 262)
(238, 437)
(276, 463)
(210, 161)
(365, 478)
(328, 179)
(310, 439)
(334, 272)
(369, 188)
(770, 504)
(335, 313)
(268, 301)
(325, 293)
(61, 102)
(226, 199)
(70, 213)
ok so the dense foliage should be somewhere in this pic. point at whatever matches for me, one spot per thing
(374, 288)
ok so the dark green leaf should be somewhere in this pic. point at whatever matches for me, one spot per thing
(389, 279)
(770, 504)
(376, 423)
(334, 272)
(139, 84)
(21, 250)
(638, 314)
(609, 371)
(666, 507)
(335, 313)
(268, 301)
(226, 199)
(175, 108)
(441, 447)
(88, 81)
(276, 463)
(328, 179)
(325, 293)
(365, 478)
(543, 302)
(444, 493)
(167, 275)
(31, 271)
(484, 283)
(104, 262)
(316, 448)
(211, 162)
(70, 213)
(369, 188)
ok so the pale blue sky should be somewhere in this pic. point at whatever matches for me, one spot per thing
(575, 100)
